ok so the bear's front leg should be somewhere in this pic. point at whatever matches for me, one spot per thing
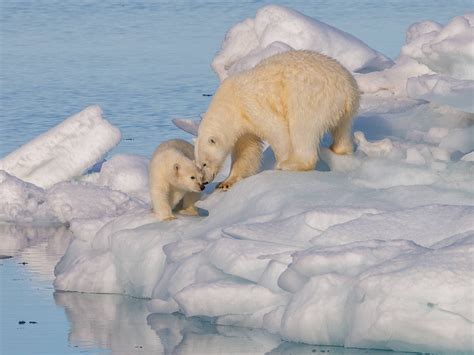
(189, 200)
(246, 157)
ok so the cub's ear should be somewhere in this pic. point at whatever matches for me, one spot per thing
(176, 168)
(212, 140)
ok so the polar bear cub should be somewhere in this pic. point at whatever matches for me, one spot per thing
(173, 177)
(288, 100)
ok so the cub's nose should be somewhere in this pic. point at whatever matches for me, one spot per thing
(202, 187)
(206, 182)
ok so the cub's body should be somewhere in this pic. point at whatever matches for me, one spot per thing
(173, 177)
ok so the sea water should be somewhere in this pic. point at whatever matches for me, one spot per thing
(143, 62)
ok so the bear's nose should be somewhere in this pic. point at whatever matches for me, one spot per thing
(206, 182)
(202, 187)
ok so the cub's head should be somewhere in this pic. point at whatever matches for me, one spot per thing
(210, 152)
(186, 176)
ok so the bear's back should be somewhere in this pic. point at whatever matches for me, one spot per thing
(299, 65)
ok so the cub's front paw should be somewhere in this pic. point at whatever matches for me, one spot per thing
(168, 218)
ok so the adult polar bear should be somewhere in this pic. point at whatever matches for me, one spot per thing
(288, 100)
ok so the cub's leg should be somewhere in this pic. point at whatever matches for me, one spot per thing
(189, 200)
(246, 158)
(161, 204)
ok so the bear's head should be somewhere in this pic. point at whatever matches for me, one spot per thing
(186, 176)
(210, 153)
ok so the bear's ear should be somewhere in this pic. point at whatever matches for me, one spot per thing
(176, 169)
(212, 140)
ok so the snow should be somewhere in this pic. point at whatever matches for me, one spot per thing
(23, 202)
(371, 250)
(60, 154)
(126, 173)
(436, 64)
(276, 29)
(445, 50)
(443, 89)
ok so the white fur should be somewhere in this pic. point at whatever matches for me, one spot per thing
(289, 100)
(170, 170)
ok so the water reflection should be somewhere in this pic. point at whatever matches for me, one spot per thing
(122, 324)
(196, 336)
(108, 321)
(38, 248)
(180, 335)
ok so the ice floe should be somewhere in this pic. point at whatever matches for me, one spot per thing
(64, 152)
(371, 250)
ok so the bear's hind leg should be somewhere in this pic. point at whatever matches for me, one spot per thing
(342, 137)
(246, 158)
(279, 140)
(304, 136)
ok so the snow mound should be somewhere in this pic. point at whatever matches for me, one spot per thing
(445, 50)
(23, 202)
(58, 154)
(441, 285)
(71, 200)
(436, 64)
(126, 173)
(276, 29)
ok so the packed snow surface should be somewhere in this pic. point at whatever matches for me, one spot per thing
(371, 250)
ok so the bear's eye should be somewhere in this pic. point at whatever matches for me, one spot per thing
(204, 165)
(192, 177)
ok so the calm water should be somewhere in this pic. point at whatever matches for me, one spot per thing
(143, 62)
